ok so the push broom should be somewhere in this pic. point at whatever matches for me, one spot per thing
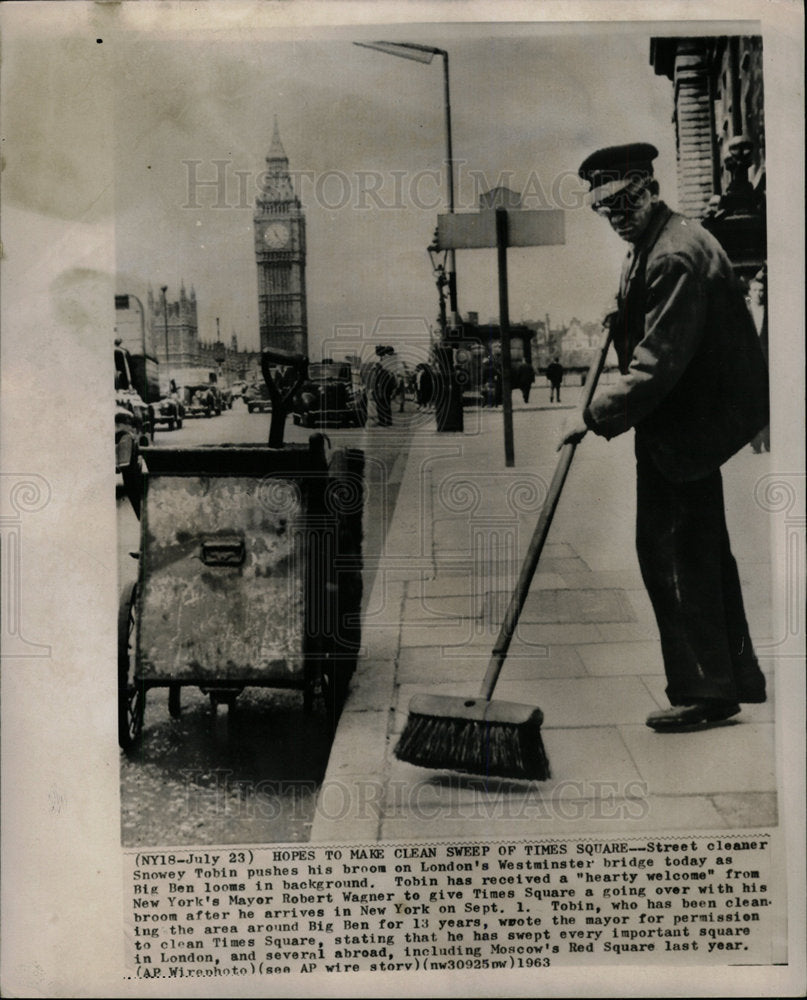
(478, 735)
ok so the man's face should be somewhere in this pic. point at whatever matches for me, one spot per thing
(628, 212)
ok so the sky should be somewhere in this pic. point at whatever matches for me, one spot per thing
(365, 136)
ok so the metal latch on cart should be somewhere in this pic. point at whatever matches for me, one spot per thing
(223, 550)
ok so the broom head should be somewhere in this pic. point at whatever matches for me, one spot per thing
(493, 738)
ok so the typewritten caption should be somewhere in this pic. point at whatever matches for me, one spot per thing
(312, 909)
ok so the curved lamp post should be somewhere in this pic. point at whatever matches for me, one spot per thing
(449, 415)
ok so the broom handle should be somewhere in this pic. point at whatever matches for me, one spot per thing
(539, 536)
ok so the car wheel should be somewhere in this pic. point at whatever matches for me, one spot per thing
(170, 425)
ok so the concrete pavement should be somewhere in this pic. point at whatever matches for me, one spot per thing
(586, 650)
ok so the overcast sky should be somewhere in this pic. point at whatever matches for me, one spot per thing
(365, 133)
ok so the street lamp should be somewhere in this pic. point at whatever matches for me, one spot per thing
(164, 289)
(438, 262)
(449, 415)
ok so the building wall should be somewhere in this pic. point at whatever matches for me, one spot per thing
(718, 95)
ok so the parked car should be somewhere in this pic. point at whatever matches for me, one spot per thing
(332, 395)
(169, 411)
(257, 398)
(198, 400)
(238, 389)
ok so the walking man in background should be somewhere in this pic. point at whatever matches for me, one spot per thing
(554, 373)
(694, 386)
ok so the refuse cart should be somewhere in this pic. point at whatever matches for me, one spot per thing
(249, 571)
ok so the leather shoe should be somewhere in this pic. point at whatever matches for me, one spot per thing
(697, 715)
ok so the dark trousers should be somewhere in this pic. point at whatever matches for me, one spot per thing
(692, 580)
(554, 392)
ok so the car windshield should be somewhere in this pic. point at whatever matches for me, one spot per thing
(319, 373)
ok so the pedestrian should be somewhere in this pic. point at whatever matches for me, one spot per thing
(492, 381)
(524, 378)
(693, 384)
(554, 373)
(758, 308)
(424, 386)
(383, 385)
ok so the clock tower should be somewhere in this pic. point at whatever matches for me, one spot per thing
(280, 255)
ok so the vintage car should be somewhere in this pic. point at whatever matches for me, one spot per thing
(169, 411)
(257, 398)
(199, 401)
(331, 395)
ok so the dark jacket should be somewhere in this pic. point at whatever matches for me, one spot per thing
(694, 382)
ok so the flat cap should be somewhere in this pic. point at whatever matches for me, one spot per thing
(610, 170)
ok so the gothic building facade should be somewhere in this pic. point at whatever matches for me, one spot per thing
(174, 329)
(280, 250)
(173, 336)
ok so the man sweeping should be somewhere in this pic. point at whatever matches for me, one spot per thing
(694, 387)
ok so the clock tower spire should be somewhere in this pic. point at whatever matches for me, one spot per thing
(280, 255)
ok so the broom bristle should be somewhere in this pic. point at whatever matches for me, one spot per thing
(496, 749)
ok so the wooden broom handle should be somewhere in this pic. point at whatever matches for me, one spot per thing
(539, 536)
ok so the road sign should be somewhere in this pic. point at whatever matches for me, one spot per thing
(526, 228)
(502, 228)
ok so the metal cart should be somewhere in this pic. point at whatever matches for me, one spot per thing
(249, 570)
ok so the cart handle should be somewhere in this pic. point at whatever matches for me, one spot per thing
(281, 403)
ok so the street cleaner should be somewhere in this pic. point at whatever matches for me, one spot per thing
(694, 387)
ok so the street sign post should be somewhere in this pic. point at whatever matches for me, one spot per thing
(502, 228)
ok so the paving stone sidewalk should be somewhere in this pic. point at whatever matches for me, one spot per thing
(586, 651)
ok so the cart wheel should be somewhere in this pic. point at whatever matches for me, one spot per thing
(175, 701)
(131, 695)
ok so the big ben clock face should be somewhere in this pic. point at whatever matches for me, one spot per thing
(276, 235)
